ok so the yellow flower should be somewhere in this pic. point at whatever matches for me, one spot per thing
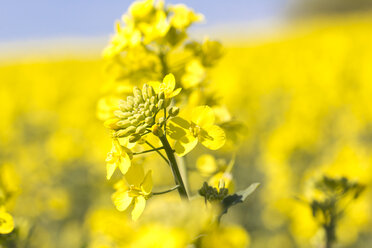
(141, 10)
(167, 86)
(6, 222)
(134, 192)
(183, 17)
(194, 75)
(119, 157)
(201, 128)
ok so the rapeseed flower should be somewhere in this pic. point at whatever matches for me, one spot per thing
(201, 129)
(134, 191)
(6, 222)
(119, 157)
(167, 86)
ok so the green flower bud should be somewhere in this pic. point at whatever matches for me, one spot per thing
(161, 121)
(137, 92)
(153, 100)
(173, 111)
(134, 122)
(112, 124)
(141, 129)
(125, 132)
(134, 138)
(149, 120)
(152, 107)
(144, 91)
(167, 102)
(148, 113)
(150, 91)
(160, 104)
(120, 114)
(161, 95)
(140, 117)
(157, 131)
(123, 123)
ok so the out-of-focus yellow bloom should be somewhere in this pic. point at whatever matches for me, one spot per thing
(194, 75)
(119, 157)
(158, 28)
(201, 128)
(228, 236)
(167, 86)
(6, 222)
(206, 164)
(135, 191)
(141, 10)
(183, 17)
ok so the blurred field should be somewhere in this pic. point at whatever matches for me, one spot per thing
(304, 96)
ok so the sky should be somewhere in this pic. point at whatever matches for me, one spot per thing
(22, 20)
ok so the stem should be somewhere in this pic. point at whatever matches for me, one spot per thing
(152, 150)
(173, 163)
(161, 155)
(166, 191)
(163, 61)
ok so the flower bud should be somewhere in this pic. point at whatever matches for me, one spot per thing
(144, 92)
(120, 114)
(160, 104)
(137, 92)
(149, 120)
(150, 91)
(141, 129)
(161, 95)
(174, 111)
(148, 113)
(157, 131)
(125, 132)
(161, 121)
(123, 123)
(134, 138)
(152, 107)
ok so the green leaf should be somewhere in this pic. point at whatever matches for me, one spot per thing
(238, 197)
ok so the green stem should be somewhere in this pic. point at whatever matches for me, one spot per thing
(152, 150)
(173, 163)
(161, 155)
(166, 191)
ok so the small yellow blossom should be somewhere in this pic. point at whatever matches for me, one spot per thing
(201, 128)
(135, 191)
(119, 157)
(183, 17)
(167, 86)
(194, 75)
(6, 222)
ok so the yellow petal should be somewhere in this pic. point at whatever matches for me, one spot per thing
(110, 168)
(177, 128)
(185, 145)
(122, 200)
(175, 92)
(203, 116)
(146, 186)
(135, 174)
(169, 82)
(6, 223)
(139, 206)
(125, 163)
(206, 164)
(213, 138)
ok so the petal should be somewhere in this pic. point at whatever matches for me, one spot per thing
(110, 168)
(213, 138)
(146, 185)
(6, 223)
(206, 164)
(177, 128)
(169, 82)
(185, 145)
(135, 174)
(175, 92)
(203, 116)
(139, 206)
(122, 200)
(125, 163)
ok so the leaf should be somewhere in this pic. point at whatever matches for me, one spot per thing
(238, 197)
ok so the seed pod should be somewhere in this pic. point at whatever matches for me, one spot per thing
(157, 131)
(149, 120)
(134, 138)
(174, 111)
(123, 123)
(160, 104)
(141, 129)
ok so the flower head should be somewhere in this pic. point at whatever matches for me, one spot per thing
(119, 157)
(167, 86)
(134, 191)
(201, 129)
(6, 222)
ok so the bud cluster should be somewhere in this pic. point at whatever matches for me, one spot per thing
(212, 194)
(137, 114)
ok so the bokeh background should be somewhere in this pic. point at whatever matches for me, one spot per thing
(298, 73)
